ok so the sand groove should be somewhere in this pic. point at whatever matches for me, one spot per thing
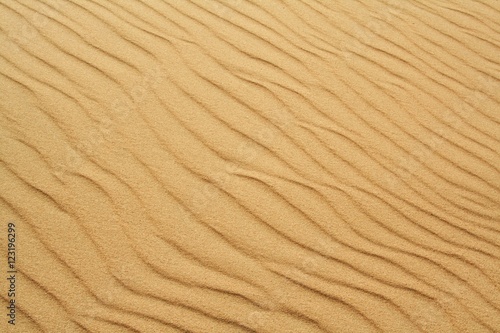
(252, 166)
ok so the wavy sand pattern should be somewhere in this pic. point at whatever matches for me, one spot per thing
(251, 165)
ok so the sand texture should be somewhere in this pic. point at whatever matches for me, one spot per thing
(274, 166)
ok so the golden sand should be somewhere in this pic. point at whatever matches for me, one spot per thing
(250, 165)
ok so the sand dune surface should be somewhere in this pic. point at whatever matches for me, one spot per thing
(250, 166)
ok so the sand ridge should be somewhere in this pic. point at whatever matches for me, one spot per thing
(251, 166)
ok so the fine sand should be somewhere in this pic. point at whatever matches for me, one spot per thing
(278, 166)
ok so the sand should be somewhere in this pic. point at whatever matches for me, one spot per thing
(250, 166)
